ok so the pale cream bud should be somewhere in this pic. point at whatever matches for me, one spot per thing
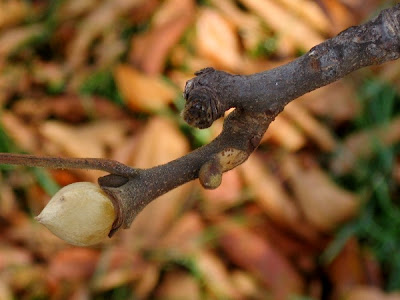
(80, 213)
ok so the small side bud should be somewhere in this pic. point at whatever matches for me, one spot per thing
(80, 213)
(210, 174)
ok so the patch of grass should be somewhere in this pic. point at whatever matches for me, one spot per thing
(378, 225)
(264, 48)
(102, 83)
(118, 293)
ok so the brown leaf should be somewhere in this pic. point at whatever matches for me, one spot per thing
(259, 257)
(11, 39)
(248, 286)
(340, 16)
(370, 293)
(33, 236)
(215, 276)
(94, 25)
(12, 12)
(183, 238)
(250, 27)
(80, 293)
(300, 250)
(118, 266)
(24, 277)
(284, 23)
(142, 12)
(75, 8)
(362, 8)
(311, 126)
(226, 196)
(13, 78)
(8, 202)
(336, 101)
(147, 282)
(5, 291)
(13, 257)
(22, 134)
(178, 285)
(310, 12)
(285, 134)
(49, 74)
(324, 204)
(217, 40)
(288, 237)
(143, 92)
(347, 271)
(88, 140)
(72, 265)
(150, 50)
(269, 192)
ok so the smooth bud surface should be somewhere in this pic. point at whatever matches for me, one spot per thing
(80, 213)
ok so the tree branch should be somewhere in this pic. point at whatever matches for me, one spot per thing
(107, 165)
(258, 99)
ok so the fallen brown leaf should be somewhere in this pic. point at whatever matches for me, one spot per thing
(285, 134)
(14, 257)
(8, 202)
(337, 102)
(340, 16)
(150, 50)
(317, 131)
(217, 40)
(347, 271)
(215, 276)
(259, 257)
(324, 204)
(12, 12)
(12, 38)
(72, 265)
(88, 140)
(226, 196)
(179, 285)
(22, 134)
(23, 278)
(269, 193)
(147, 282)
(184, 236)
(118, 266)
(248, 286)
(143, 92)
(284, 23)
(5, 291)
(250, 28)
(370, 293)
(310, 12)
(93, 25)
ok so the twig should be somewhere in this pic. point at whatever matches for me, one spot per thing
(108, 165)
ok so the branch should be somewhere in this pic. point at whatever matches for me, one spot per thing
(107, 165)
(258, 99)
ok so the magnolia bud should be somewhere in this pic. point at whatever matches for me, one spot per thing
(80, 213)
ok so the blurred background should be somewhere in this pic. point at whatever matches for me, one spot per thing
(313, 214)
